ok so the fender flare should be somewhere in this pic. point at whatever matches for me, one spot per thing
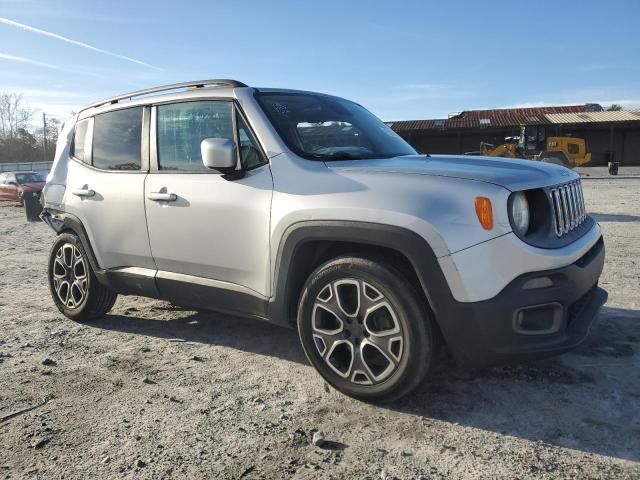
(122, 283)
(406, 242)
(63, 221)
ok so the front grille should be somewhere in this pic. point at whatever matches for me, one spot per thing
(568, 207)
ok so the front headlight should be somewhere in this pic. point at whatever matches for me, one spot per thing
(520, 213)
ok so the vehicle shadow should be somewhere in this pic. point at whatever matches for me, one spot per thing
(246, 334)
(585, 400)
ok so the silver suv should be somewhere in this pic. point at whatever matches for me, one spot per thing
(307, 211)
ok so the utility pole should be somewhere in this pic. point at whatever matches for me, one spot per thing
(44, 136)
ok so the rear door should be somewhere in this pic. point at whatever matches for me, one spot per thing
(105, 183)
(214, 229)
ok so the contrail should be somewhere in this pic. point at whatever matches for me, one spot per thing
(14, 58)
(28, 28)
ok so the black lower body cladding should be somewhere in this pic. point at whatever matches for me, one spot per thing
(525, 322)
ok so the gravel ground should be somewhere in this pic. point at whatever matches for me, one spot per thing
(603, 172)
(155, 391)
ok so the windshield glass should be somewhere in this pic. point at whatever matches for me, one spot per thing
(320, 127)
(27, 178)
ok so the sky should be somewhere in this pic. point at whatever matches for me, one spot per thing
(401, 59)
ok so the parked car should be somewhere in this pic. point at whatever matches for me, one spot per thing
(15, 185)
(42, 174)
(306, 210)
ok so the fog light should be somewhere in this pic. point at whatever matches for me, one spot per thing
(538, 319)
(538, 282)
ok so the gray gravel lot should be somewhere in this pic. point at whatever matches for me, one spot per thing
(155, 391)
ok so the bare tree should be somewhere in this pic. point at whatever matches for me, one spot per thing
(14, 116)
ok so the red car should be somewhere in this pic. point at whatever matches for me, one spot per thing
(15, 185)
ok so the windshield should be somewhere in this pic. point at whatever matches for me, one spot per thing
(320, 127)
(27, 178)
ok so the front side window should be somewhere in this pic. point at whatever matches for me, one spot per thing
(78, 149)
(321, 127)
(183, 126)
(250, 155)
(117, 139)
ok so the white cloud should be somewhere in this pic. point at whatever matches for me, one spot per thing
(421, 86)
(627, 104)
(61, 111)
(29, 28)
(539, 104)
(14, 58)
(35, 93)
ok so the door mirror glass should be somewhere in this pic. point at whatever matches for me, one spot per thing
(218, 153)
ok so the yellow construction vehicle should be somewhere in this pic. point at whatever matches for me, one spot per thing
(534, 144)
(509, 149)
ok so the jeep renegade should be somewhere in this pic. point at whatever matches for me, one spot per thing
(305, 210)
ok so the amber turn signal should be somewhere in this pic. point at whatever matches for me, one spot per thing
(484, 212)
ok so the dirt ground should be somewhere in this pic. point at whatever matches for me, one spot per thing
(154, 391)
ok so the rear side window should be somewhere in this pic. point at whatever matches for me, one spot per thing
(80, 149)
(183, 126)
(573, 148)
(117, 139)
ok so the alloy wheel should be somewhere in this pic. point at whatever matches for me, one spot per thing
(70, 276)
(356, 331)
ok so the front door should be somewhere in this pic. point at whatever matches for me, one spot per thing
(209, 232)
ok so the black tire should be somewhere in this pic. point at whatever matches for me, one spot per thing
(418, 349)
(96, 299)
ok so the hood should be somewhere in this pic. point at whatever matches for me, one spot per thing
(512, 174)
(31, 186)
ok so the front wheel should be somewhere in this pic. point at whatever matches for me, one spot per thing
(74, 288)
(366, 329)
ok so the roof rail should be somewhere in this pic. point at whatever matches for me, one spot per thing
(174, 86)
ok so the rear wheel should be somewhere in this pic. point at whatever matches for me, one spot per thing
(74, 287)
(366, 329)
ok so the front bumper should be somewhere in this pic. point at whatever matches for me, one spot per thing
(538, 314)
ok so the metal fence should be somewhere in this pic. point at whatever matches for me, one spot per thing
(25, 166)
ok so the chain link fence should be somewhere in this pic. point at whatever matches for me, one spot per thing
(25, 166)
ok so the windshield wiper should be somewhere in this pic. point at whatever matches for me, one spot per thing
(335, 156)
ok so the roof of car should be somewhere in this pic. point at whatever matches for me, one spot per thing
(177, 92)
(195, 84)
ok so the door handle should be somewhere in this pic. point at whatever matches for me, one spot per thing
(162, 197)
(83, 192)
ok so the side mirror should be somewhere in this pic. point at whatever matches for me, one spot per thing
(13, 183)
(218, 153)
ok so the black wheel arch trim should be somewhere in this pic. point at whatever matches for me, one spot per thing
(125, 284)
(63, 221)
(408, 243)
